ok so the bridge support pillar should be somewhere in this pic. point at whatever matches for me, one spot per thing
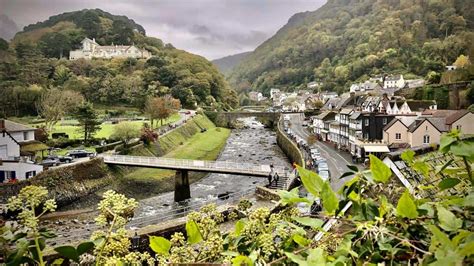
(181, 186)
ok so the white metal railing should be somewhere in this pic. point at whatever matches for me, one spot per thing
(195, 164)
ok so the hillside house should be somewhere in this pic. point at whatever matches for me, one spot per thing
(91, 49)
(394, 81)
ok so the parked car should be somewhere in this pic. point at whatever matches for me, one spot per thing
(324, 174)
(79, 153)
(323, 166)
(48, 162)
(62, 159)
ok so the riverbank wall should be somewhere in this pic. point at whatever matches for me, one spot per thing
(288, 146)
(65, 184)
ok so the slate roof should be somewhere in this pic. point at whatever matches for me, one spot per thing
(355, 115)
(392, 78)
(11, 126)
(420, 105)
(325, 114)
(456, 116)
(437, 122)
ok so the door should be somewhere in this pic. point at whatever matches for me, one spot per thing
(3, 152)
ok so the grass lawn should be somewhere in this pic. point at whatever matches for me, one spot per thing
(106, 130)
(201, 146)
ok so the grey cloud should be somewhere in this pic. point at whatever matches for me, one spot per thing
(211, 28)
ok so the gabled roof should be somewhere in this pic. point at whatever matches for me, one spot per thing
(406, 121)
(355, 115)
(456, 116)
(438, 123)
(420, 105)
(346, 111)
(11, 126)
(393, 77)
(325, 115)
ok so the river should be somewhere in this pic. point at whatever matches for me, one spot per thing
(251, 144)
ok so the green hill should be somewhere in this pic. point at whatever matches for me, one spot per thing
(34, 62)
(349, 40)
(226, 64)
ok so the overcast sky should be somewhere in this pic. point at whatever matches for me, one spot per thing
(211, 28)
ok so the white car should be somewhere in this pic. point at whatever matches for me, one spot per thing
(324, 175)
(322, 166)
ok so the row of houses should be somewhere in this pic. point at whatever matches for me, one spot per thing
(386, 84)
(299, 101)
(364, 124)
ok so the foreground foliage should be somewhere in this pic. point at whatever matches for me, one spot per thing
(386, 224)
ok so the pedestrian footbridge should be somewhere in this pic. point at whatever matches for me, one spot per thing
(183, 166)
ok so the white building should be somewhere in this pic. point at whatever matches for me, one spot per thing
(395, 81)
(13, 164)
(91, 49)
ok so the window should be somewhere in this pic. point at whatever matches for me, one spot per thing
(426, 139)
(384, 120)
(398, 136)
(366, 121)
(366, 135)
(25, 135)
(458, 127)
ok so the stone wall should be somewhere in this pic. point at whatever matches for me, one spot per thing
(289, 147)
(266, 194)
(65, 184)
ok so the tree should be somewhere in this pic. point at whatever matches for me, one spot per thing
(126, 131)
(462, 61)
(55, 104)
(88, 120)
(161, 107)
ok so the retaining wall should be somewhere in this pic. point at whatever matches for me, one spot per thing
(65, 184)
(288, 146)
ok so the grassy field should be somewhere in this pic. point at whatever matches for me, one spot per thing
(201, 146)
(106, 130)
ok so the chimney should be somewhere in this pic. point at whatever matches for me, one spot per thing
(2, 124)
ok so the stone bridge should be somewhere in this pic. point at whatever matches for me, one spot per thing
(225, 119)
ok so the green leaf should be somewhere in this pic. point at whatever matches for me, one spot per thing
(408, 156)
(311, 181)
(242, 260)
(445, 142)
(296, 259)
(421, 167)
(463, 148)
(291, 197)
(160, 245)
(301, 240)
(59, 261)
(353, 168)
(193, 233)
(316, 257)
(448, 183)
(329, 199)
(380, 172)
(84, 247)
(230, 253)
(406, 206)
(239, 227)
(68, 252)
(469, 200)
(439, 236)
(308, 221)
(467, 249)
(447, 220)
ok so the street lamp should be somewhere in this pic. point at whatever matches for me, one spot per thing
(135, 241)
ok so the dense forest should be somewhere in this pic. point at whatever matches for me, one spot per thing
(227, 63)
(35, 62)
(350, 40)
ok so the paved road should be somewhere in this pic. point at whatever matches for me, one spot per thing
(337, 162)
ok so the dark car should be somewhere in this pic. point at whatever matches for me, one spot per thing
(48, 162)
(62, 159)
(79, 153)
